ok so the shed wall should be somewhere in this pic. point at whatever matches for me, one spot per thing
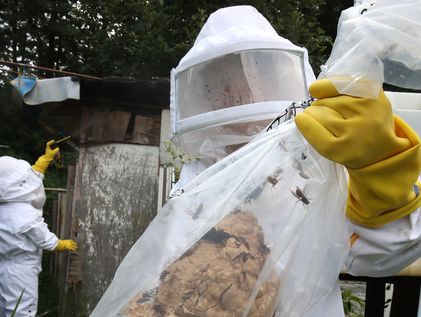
(115, 198)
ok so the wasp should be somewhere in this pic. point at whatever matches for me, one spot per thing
(274, 179)
(198, 211)
(176, 193)
(298, 193)
(254, 194)
(300, 169)
(147, 296)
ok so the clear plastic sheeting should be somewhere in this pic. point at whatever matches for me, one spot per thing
(376, 42)
(260, 233)
(217, 141)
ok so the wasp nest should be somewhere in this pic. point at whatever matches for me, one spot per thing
(215, 277)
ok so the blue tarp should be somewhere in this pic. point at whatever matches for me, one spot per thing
(24, 84)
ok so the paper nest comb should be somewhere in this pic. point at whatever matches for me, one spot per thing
(215, 277)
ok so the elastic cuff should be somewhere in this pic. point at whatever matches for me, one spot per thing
(42, 163)
(356, 215)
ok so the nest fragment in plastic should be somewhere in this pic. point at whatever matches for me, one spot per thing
(206, 253)
(215, 277)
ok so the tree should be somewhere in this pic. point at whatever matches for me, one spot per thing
(141, 38)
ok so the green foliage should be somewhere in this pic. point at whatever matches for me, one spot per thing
(25, 138)
(17, 304)
(177, 158)
(143, 38)
(352, 304)
(18, 129)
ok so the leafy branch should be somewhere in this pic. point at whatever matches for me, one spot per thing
(176, 158)
(351, 304)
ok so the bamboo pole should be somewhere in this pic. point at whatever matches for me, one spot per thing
(17, 73)
(51, 70)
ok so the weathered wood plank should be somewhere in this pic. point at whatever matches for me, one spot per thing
(146, 130)
(114, 201)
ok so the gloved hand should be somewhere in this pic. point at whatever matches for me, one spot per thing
(44, 161)
(380, 151)
(63, 245)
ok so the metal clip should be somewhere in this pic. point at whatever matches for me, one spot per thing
(289, 113)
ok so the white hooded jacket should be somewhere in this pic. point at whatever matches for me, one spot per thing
(23, 236)
(22, 227)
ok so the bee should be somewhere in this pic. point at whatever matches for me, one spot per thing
(298, 193)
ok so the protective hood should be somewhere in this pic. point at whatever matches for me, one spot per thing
(20, 183)
(377, 41)
(239, 75)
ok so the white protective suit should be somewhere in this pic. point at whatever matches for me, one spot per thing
(239, 75)
(200, 127)
(23, 236)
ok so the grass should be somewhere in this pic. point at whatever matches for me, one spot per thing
(352, 304)
(17, 304)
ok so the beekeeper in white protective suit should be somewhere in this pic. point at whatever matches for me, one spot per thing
(352, 123)
(23, 232)
(218, 106)
(239, 75)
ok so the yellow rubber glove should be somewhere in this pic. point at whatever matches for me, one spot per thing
(380, 151)
(65, 245)
(44, 161)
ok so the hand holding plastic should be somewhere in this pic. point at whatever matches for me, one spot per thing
(380, 151)
(66, 245)
(354, 132)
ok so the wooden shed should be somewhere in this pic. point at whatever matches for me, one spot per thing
(117, 184)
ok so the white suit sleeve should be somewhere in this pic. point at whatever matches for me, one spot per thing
(385, 250)
(41, 236)
(37, 231)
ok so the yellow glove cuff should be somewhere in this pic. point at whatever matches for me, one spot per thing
(385, 191)
(63, 245)
(42, 163)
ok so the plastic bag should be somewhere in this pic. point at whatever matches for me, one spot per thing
(376, 42)
(249, 236)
